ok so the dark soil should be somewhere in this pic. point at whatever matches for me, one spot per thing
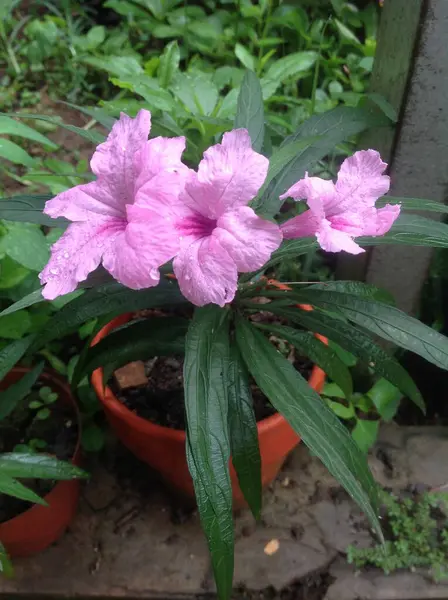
(59, 432)
(313, 587)
(161, 401)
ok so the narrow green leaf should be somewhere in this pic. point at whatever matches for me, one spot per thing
(341, 411)
(15, 154)
(208, 444)
(412, 230)
(358, 343)
(39, 466)
(386, 321)
(245, 57)
(243, 433)
(92, 136)
(139, 340)
(292, 249)
(287, 67)
(10, 127)
(26, 301)
(16, 392)
(6, 568)
(29, 209)
(330, 128)
(12, 487)
(414, 204)
(12, 353)
(317, 352)
(309, 416)
(169, 64)
(250, 110)
(110, 299)
(96, 113)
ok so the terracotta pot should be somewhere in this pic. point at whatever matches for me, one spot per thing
(38, 527)
(164, 449)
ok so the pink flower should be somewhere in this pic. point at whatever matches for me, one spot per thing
(345, 210)
(117, 218)
(220, 234)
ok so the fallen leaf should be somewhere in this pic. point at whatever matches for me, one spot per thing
(272, 547)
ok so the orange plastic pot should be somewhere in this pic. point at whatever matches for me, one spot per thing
(163, 448)
(37, 528)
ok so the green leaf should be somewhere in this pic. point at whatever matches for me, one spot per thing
(6, 568)
(386, 321)
(96, 113)
(12, 353)
(92, 136)
(309, 416)
(292, 249)
(26, 301)
(208, 444)
(332, 128)
(43, 414)
(10, 127)
(28, 209)
(365, 434)
(317, 352)
(346, 33)
(16, 392)
(414, 204)
(169, 64)
(386, 398)
(15, 154)
(412, 230)
(93, 438)
(12, 487)
(26, 245)
(291, 65)
(11, 273)
(110, 299)
(243, 433)
(357, 288)
(341, 411)
(149, 88)
(15, 326)
(196, 91)
(138, 340)
(245, 57)
(38, 466)
(119, 66)
(250, 110)
(358, 343)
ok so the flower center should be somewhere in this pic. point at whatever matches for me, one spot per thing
(197, 225)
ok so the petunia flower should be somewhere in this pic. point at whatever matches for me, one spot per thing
(341, 211)
(116, 218)
(220, 235)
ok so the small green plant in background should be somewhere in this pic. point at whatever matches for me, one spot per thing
(417, 529)
(364, 412)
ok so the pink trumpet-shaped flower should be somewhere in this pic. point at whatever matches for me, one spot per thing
(116, 218)
(220, 234)
(341, 211)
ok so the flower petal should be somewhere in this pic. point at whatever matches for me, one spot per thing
(303, 225)
(386, 217)
(78, 203)
(229, 175)
(148, 242)
(248, 239)
(360, 182)
(159, 154)
(333, 240)
(206, 273)
(76, 254)
(113, 161)
(316, 191)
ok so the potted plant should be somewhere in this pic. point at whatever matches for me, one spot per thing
(146, 208)
(39, 425)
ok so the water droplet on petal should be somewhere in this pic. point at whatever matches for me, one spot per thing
(154, 273)
(66, 254)
(187, 277)
(54, 271)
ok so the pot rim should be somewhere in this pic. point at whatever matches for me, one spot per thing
(47, 376)
(108, 398)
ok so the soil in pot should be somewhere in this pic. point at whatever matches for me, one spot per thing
(161, 400)
(53, 431)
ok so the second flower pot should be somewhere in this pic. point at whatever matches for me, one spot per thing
(38, 527)
(163, 448)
